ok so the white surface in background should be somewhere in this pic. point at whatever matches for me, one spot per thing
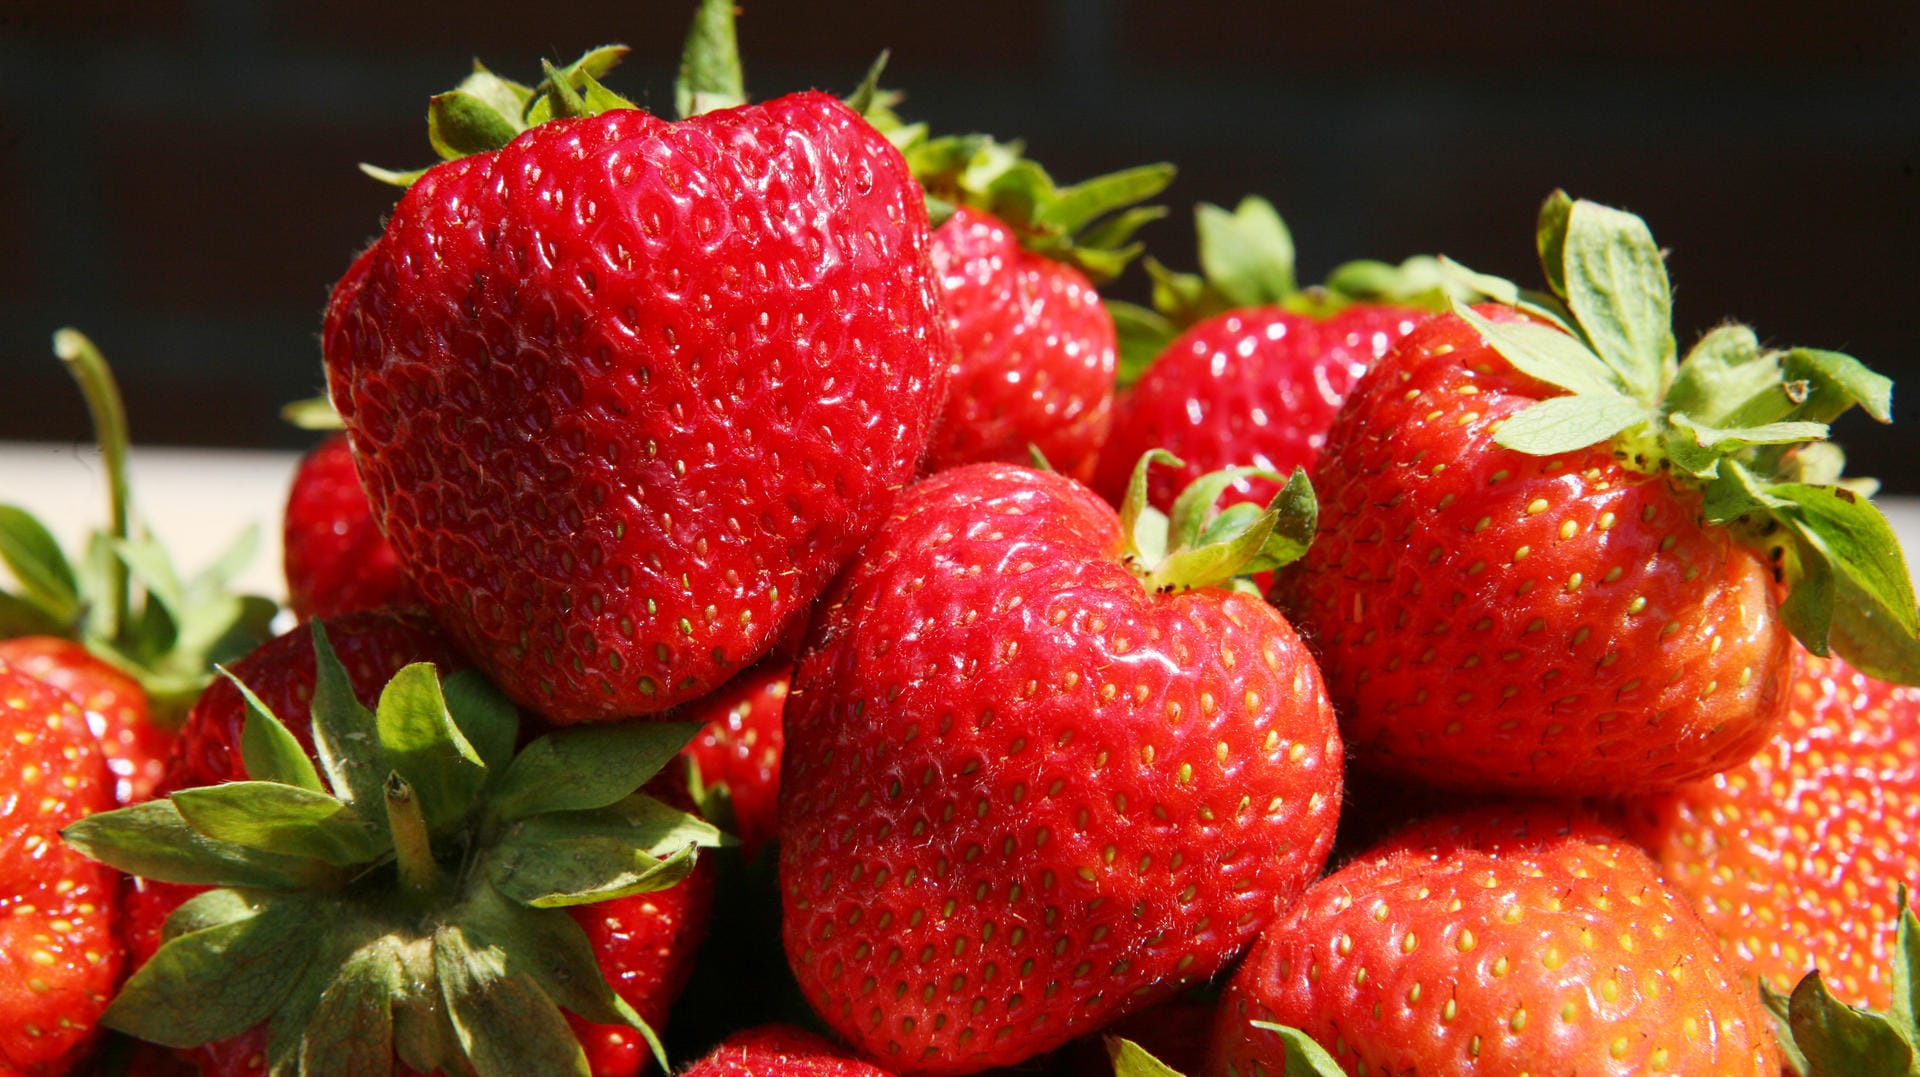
(199, 500)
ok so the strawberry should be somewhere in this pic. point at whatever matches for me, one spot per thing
(780, 1051)
(1793, 858)
(59, 955)
(1513, 507)
(1258, 366)
(1824, 1037)
(135, 746)
(734, 761)
(411, 910)
(336, 560)
(1536, 942)
(1041, 773)
(627, 393)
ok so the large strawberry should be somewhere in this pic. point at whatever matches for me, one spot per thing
(119, 628)
(1793, 859)
(626, 393)
(1551, 557)
(397, 888)
(1042, 768)
(60, 955)
(335, 557)
(1537, 942)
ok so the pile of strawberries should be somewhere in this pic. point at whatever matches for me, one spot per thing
(764, 596)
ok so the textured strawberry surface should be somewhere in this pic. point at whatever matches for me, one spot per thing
(780, 1051)
(1255, 387)
(1023, 795)
(1034, 353)
(335, 558)
(1794, 859)
(626, 394)
(60, 958)
(135, 747)
(1487, 619)
(1496, 944)
(740, 746)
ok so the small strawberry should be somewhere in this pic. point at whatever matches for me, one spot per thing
(59, 955)
(1552, 556)
(734, 761)
(1042, 768)
(399, 890)
(1492, 944)
(780, 1051)
(625, 393)
(336, 560)
(135, 746)
(1792, 858)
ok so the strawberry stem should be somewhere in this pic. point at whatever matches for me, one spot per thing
(413, 852)
(89, 369)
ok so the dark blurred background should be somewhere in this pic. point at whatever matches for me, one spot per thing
(177, 176)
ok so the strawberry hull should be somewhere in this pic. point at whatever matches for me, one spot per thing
(625, 394)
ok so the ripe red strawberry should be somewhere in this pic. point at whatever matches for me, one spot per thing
(336, 560)
(1502, 598)
(1038, 776)
(498, 883)
(1537, 942)
(1793, 859)
(780, 1051)
(626, 393)
(734, 762)
(59, 955)
(135, 746)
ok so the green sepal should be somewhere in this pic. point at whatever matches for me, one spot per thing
(585, 768)
(507, 1026)
(1548, 354)
(1614, 281)
(272, 817)
(485, 716)
(1141, 334)
(268, 749)
(1863, 550)
(1905, 1008)
(1779, 1010)
(312, 413)
(864, 96)
(1422, 280)
(345, 734)
(33, 555)
(20, 617)
(349, 1032)
(1132, 1060)
(151, 839)
(710, 77)
(1835, 382)
(1305, 1057)
(420, 739)
(461, 123)
(1247, 255)
(578, 858)
(1144, 530)
(1838, 1040)
(1566, 423)
(217, 982)
(1192, 546)
(572, 92)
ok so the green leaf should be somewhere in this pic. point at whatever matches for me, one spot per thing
(710, 76)
(461, 124)
(1550, 238)
(1296, 512)
(268, 749)
(209, 909)
(1134, 508)
(1617, 288)
(1116, 232)
(1905, 1008)
(585, 768)
(1726, 380)
(350, 1031)
(312, 413)
(345, 735)
(1735, 492)
(419, 738)
(575, 90)
(547, 870)
(1213, 565)
(1132, 1060)
(486, 717)
(1188, 517)
(1142, 335)
(1247, 255)
(1305, 1057)
(19, 617)
(272, 817)
(1547, 354)
(1809, 608)
(505, 96)
(1566, 423)
(32, 554)
(1783, 433)
(1836, 382)
(861, 100)
(1073, 208)
(1865, 548)
(393, 177)
(153, 841)
(1840, 1041)
(218, 982)
(1779, 1008)
(507, 1026)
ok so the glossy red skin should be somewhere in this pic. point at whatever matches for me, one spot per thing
(989, 702)
(626, 394)
(740, 748)
(1472, 605)
(60, 956)
(780, 1051)
(1553, 940)
(645, 944)
(1254, 387)
(135, 746)
(1034, 353)
(336, 559)
(1794, 858)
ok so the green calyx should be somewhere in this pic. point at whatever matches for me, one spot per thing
(404, 897)
(1745, 425)
(1194, 546)
(1824, 1037)
(1247, 260)
(124, 600)
(1304, 1057)
(1089, 225)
